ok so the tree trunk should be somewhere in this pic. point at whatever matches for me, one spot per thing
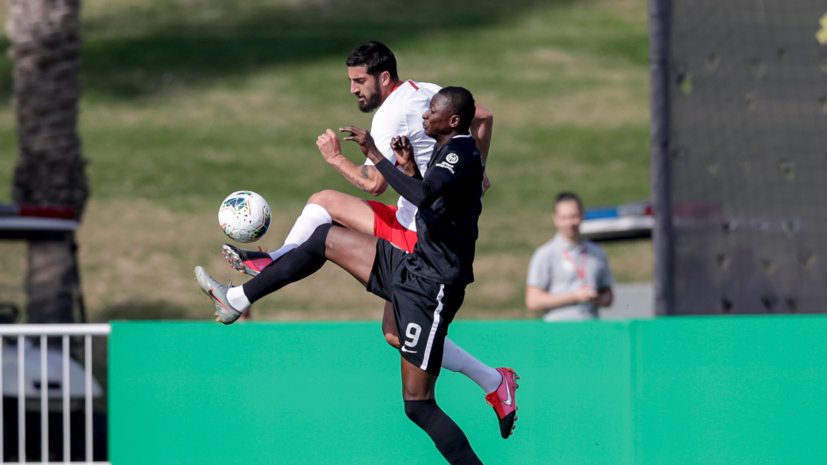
(45, 47)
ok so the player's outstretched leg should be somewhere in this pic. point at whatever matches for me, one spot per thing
(420, 406)
(230, 302)
(353, 251)
(322, 208)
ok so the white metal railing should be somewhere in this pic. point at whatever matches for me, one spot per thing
(22, 331)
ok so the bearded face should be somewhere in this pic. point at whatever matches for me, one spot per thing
(365, 87)
(372, 99)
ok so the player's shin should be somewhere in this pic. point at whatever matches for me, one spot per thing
(447, 436)
(296, 265)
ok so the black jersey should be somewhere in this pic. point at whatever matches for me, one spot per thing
(449, 198)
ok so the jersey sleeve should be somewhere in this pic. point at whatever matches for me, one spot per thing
(420, 193)
(539, 270)
(449, 168)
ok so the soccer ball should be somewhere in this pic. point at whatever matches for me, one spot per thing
(244, 216)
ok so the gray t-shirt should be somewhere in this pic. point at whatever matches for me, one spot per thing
(560, 267)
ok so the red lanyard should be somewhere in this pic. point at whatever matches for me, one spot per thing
(580, 270)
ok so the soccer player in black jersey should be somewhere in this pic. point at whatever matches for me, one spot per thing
(427, 286)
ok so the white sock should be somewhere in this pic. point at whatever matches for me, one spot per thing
(311, 218)
(237, 298)
(458, 360)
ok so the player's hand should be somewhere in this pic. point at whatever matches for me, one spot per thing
(486, 184)
(585, 295)
(361, 137)
(329, 144)
(403, 150)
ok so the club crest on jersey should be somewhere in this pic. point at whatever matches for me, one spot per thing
(452, 158)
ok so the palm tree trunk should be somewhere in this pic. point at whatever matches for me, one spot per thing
(45, 47)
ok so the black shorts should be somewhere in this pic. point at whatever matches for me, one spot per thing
(423, 308)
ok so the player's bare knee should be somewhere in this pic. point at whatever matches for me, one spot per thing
(315, 199)
(323, 198)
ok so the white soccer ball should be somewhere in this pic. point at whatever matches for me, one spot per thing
(244, 216)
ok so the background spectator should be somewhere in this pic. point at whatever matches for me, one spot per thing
(568, 276)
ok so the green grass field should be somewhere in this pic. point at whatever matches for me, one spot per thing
(188, 100)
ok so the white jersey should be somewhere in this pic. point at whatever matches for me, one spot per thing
(401, 115)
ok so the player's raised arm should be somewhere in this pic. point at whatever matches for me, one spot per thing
(482, 127)
(364, 177)
(419, 192)
(449, 115)
(401, 146)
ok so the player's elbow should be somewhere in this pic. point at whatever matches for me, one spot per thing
(377, 188)
(483, 115)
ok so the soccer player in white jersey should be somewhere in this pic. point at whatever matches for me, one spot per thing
(399, 108)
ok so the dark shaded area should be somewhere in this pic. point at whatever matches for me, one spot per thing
(143, 311)
(746, 153)
(34, 444)
(179, 51)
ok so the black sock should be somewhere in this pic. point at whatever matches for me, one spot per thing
(448, 438)
(293, 266)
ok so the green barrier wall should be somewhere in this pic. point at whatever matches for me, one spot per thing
(742, 390)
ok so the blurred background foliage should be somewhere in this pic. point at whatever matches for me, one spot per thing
(186, 101)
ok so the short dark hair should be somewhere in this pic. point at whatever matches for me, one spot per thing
(376, 56)
(564, 196)
(462, 104)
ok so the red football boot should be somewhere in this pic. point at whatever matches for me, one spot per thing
(504, 401)
(246, 261)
